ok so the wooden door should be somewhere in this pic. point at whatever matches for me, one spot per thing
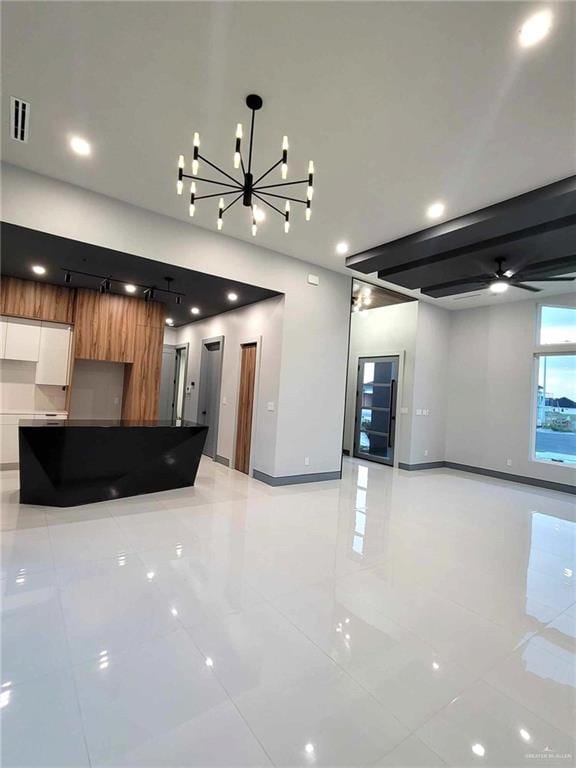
(245, 407)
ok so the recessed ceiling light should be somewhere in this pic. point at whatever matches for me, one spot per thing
(80, 146)
(342, 248)
(195, 311)
(499, 286)
(479, 750)
(38, 270)
(435, 210)
(535, 28)
(259, 214)
(232, 296)
(169, 321)
(130, 288)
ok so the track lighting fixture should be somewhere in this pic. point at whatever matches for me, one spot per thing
(105, 285)
(247, 188)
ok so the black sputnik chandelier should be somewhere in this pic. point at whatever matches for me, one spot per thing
(247, 189)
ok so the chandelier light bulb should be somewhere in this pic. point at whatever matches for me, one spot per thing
(196, 141)
(237, 156)
(192, 209)
(219, 223)
(180, 182)
(221, 205)
(308, 211)
(254, 229)
(309, 192)
(194, 167)
(285, 157)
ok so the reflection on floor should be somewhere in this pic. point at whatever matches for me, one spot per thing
(390, 619)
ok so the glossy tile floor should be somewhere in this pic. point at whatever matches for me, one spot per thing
(390, 619)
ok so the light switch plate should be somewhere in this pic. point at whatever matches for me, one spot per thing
(313, 279)
(418, 411)
(270, 407)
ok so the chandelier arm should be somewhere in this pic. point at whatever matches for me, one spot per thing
(205, 160)
(269, 204)
(216, 194)
(284, 184)
(268, 171)
(231, 204)
(210, 181)
(283, 197)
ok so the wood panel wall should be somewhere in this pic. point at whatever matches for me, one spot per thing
(108, 327)
(36, 301)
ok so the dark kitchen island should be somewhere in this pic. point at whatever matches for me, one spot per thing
(67, 463)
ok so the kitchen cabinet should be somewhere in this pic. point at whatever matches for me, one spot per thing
(22, 340)
(9, 453)
(54, 354)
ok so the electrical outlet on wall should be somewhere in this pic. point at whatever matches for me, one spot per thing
(508, 462)
(306, 461)
(426, 452)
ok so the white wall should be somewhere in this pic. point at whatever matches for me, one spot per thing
(316, 318)
(490, 389)
(264, 320)
(19, 392)
(96, 390)
(429, 400)
(379, 332)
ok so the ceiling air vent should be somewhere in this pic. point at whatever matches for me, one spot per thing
(19, 119)
(468, 296)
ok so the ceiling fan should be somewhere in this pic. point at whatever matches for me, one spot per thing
(501, 279)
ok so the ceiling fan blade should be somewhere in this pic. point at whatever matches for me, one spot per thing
(526, 287)
(537, 279)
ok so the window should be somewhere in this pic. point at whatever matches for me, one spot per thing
(557, 325)
(556, 407)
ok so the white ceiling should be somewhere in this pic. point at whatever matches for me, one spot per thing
(398, 104)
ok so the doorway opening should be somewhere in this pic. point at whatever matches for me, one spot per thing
(209, 391)
(245, 411)
(172, 381)
(375, 422)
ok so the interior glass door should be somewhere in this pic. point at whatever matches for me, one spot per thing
(375, 424)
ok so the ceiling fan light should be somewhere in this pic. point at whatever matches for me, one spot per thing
(499, 286)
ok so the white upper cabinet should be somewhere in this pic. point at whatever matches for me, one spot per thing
(22, 340)
(54, 355)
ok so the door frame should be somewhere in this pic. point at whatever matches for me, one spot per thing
(203, 351)
(186, 347)
(258, 341)
(401, 355)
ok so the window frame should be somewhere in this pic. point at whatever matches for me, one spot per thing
(545, 350)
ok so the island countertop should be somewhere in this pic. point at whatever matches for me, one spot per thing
(67, 463)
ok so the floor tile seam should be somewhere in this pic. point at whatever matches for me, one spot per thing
(73, 677)
(525, 706)
(490, 620)
(85, 660)
(413, 734)
(92, 561)
(345, 671)
(523, 703)
(228, 695)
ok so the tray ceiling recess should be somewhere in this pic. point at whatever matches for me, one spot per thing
(525, 240)
(82, 265)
